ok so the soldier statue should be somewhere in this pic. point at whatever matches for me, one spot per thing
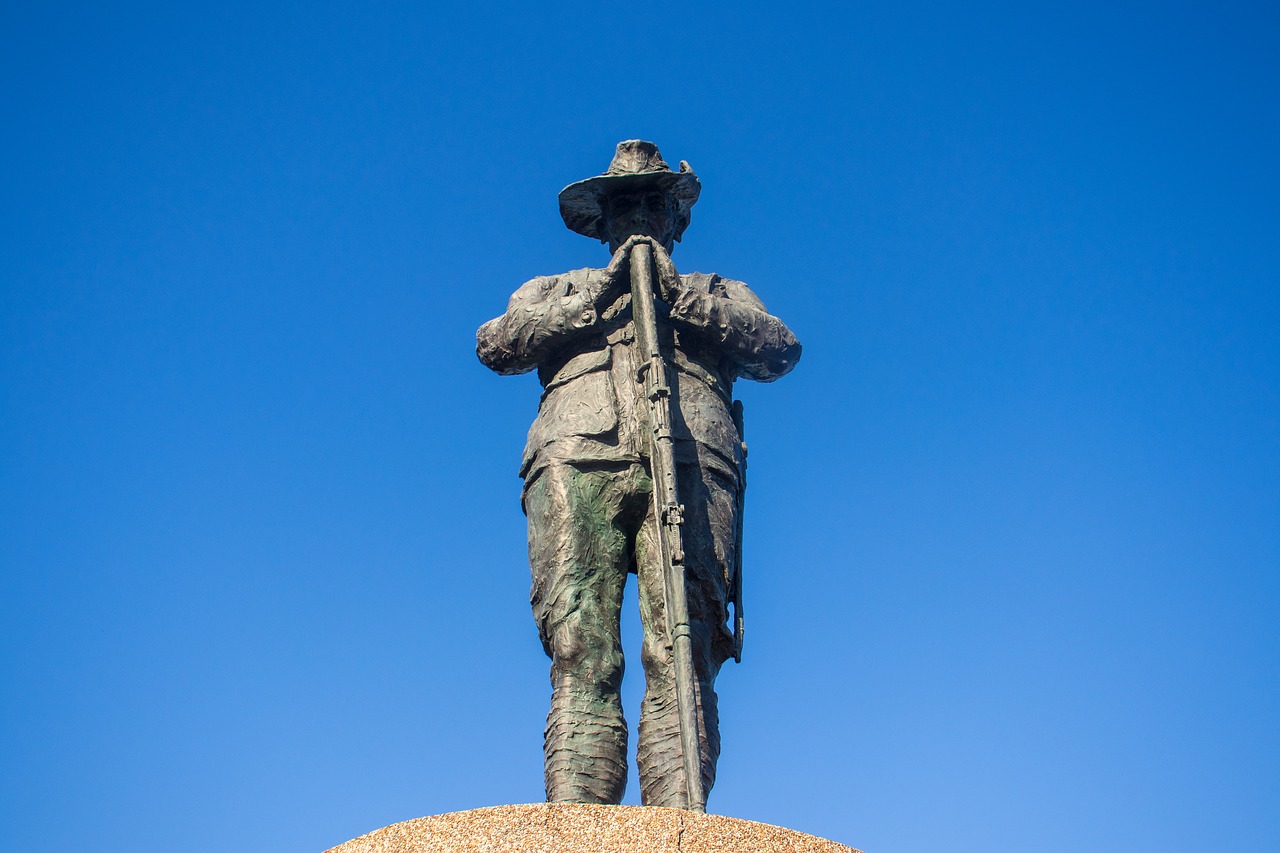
(611, 412)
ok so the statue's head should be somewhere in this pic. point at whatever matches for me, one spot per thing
(640, 194)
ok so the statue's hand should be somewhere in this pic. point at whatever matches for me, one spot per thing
(617, 276)
(670, 285)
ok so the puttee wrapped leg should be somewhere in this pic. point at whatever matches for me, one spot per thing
(579, 557)
(710, 502)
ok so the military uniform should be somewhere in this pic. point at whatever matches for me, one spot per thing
(588, 498)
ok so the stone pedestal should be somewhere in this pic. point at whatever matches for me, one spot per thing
(566, 828)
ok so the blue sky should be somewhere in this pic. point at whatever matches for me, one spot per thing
(1013, 528)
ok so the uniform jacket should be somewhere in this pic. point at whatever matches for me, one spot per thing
(592, 406)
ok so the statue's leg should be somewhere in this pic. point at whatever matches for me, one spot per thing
(710, 510)
(579, 559)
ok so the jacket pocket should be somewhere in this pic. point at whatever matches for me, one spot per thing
(579, 400)
(578, 365)
(703, 416)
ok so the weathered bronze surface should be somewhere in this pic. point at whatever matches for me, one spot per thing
(635, 463)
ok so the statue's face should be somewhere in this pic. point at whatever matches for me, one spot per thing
(650, 212)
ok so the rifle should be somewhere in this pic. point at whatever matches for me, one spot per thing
(669, 515)
(735, 588)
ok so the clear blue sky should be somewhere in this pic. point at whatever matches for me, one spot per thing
(1013, 546)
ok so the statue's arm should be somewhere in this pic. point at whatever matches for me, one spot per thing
(541, 316)
(734, 318)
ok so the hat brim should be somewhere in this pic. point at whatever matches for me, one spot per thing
(580, 202)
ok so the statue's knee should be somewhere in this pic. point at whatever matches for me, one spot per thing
(587, 659)
(709, 652)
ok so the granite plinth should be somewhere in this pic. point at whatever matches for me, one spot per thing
(571, 828)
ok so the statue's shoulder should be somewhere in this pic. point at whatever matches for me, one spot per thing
(577, 277)
(710, 282)
(581, 276)
(703, 281)
(563, 283)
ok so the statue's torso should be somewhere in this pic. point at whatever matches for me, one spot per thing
(593, 407)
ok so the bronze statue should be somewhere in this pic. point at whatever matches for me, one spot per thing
(635, 463)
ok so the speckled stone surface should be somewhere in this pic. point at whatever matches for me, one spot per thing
(565, 828)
